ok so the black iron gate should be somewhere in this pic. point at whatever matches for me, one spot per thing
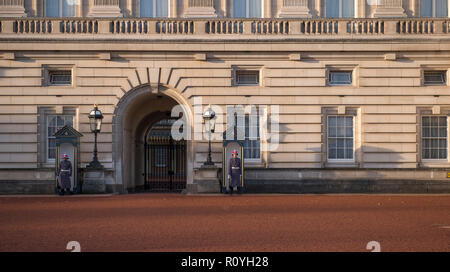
(165, 164)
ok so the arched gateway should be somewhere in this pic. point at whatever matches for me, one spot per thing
(145, 156)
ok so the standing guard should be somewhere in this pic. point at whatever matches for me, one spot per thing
(234, 171)
(64, 173)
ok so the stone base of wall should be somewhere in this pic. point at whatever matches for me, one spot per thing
(347, 181)
(41, 181)
(29, 187)
(348, 186)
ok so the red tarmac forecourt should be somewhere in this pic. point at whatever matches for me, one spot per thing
(174, 222)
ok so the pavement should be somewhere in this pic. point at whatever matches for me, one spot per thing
(199, 223)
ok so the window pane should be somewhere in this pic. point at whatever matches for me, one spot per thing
(239, 8)
(60, 121)
(332, 9)
(434, 77)
(60, 77)
(252, 143)
(426, 121)
(340, 78)
(340, 132)
(340, 121)
(52, 153)
(434, 153)
(434, 121)
(441, 8)
(247, 77)
(162, 8)
(332, 153)
(348, 132)
(443, 132)
(340, 153)
(443, 121)
(254, 8)
(51, 131)
(426, 132)
(426, 8)
(349, 143)
(442, 153)
(332, 121)
(68, 8)
(349, 153)
(146, 8)
(348, 8)
(52, 8)
(443, 144)
(340, 143)
(349, 121)
(332, 143)
(68, 120)
(434, 131)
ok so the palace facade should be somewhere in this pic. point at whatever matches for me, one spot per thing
(359, 89)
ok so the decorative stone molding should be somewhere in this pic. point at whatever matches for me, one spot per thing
(389, 8)
(294, 8)
(12, 8)
(105, 8)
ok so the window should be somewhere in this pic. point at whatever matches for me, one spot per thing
(247, 8)
(251, 128)
(54, 123)
(154, 8)
(434, 78)
(59, 77)
(252, 142)
(340, 78)
(340, 137)
(247, 77)
(434, 137)
(433, 8)
(60, 8)
(340, 8)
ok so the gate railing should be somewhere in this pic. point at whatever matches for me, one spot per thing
(165, 164)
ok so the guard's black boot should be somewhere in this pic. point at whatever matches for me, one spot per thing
(231, 190)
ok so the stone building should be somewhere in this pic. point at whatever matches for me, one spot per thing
(361, 88)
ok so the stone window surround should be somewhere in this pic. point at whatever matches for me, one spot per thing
(357, 146)
(431, 111)
(428, 67)
(55, 67)
(43, 112)
(235, 68)
(343, 68)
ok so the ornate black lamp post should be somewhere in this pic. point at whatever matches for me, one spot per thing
(95, 120)
(210, 122)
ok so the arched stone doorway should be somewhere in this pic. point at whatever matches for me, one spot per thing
(135, 115)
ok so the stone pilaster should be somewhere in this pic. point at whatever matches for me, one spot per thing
(12, 8)
(200, 9)
(389, 8)
(294, 9)
(105, 8)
